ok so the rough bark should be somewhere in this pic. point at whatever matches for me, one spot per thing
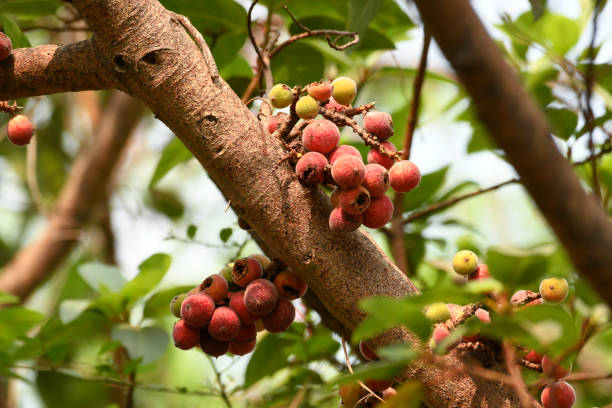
(50, 69)
(521, 129)
(85, 188)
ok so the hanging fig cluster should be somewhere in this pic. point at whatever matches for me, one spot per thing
(359, 196)
(224, 313)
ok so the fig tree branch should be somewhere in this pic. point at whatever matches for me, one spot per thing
(50, 69)
(396, 235)
(519, 127)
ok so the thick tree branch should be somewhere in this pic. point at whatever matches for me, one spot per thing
(85, 188)
(521, 129)
(50, 69)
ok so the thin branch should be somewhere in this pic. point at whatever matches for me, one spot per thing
(350, 368)
(527, 399)
(466, 312)
(8, 108)
(398, 247)
(252, 37)
(31, 175)
(124, 384)
(582, 376)
(222, 389)
(369, 139)
(590, 119)
(419, 79)
(433, 208)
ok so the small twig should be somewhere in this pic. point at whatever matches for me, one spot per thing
(527, 399)
(587, 377)
(467, 312)
(283, 130)
(199, 40)
(368, 138)
(532, 366)
(529, 297)
(327, 33)
(433, 208)
(252, 37)
(589, 116)
(419, 79)
(296, 132)
(8, 108)
(359, 110)
(474, 370)
(222, 389)
(124, 384)
(350, 368)
(31, 177)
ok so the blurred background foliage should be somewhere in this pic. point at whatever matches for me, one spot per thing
(97, 326)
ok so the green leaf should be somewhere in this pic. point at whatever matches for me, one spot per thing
(227, 47)
(430, 184)
(173, 154)
(225, 234)
(166, 202)
(385, 313)
(557, 32)
(159, 303)
(238, 67)
(537, 320)
(298, 63)
(267, 358)
(211, 16)
(29, 7)
(11, 29)
(361, 13)
(152, 270)
(319, 345)
(8, 298)
(16, 321)
(562, 121)
(70, 309)
(102, 277)
(373, 370)
(516, 267)
(146, 343)
(191, 231)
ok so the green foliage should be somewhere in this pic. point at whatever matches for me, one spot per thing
(173, 154)
(93, 314)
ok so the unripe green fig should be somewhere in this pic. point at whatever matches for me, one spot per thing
(344, 90)
(175, 304)
(437, 312)
(465, 262)
(307, 107)
(554, 290)
(280, 96)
